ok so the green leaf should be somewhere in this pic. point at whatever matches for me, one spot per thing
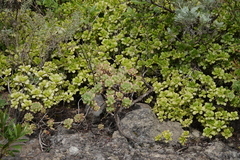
(21, 140)
(138, 2)
(110, 109)
(17, 151)
(2, 103)
(126, 102)
(126, 87)
(17, 147)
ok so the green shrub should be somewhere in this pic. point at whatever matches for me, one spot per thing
(117, 85)
(36, 81)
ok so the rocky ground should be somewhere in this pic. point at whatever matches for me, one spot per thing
(140, 126)
(88, 146)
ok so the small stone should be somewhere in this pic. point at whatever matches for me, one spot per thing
(216, 147)
(116, 135)
(95, 115)
(99, 157)
(73, 150)
(195, 133)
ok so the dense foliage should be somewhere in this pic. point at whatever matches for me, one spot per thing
(188, 51)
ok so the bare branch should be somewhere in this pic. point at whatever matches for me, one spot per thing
(142, 96)
(145, 94)
(165, 8)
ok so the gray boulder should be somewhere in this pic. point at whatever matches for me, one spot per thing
(143, 126)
